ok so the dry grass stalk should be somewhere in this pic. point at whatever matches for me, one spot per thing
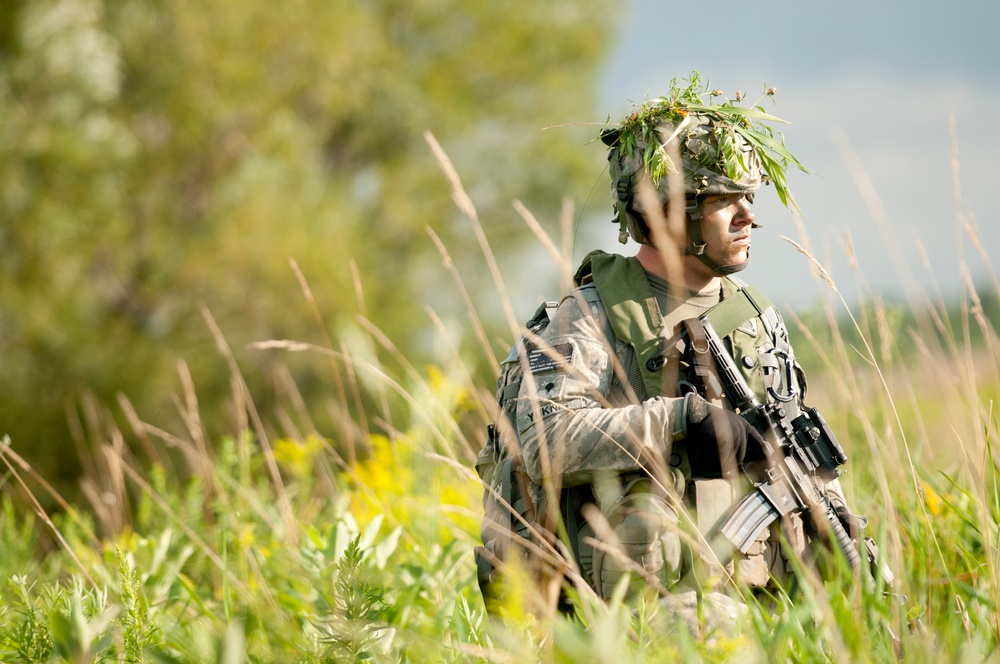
(464, 204)
(284, 504)
(470, 307)
(360, 297)
(7, 454)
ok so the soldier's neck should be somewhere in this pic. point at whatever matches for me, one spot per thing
(685, 271)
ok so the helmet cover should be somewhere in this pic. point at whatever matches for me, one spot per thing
(724, 149)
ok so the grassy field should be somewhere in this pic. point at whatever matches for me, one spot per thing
(273, 549)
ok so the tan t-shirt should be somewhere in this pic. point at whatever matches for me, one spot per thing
(678, 303)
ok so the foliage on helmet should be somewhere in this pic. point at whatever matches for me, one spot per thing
(731, 125)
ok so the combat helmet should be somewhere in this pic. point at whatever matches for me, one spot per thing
(724, 148)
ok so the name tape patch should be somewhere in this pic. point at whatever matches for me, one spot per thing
(552, 358)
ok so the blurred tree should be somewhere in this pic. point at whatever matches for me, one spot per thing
(158, 155)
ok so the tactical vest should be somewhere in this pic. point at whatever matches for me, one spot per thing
(749, 323)
(617, 293)
(669, 365)
(516, 523)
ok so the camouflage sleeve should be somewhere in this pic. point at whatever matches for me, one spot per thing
(573, 418)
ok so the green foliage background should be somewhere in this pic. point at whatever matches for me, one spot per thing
(157, 156)
(165, 159)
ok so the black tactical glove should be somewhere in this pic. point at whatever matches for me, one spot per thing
(718, 440)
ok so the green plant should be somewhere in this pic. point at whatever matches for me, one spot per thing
(28, 638)
(273, 543)
(137, 633)
(353, 627)
(644, 127)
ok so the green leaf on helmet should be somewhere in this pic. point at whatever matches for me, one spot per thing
(762, 140)
(643, 129)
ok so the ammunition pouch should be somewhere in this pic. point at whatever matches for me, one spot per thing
(644, 539)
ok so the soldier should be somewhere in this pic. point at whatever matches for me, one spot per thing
(612, 414)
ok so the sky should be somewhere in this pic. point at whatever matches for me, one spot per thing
(873, 92)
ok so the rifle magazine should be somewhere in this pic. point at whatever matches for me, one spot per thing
(747, 519)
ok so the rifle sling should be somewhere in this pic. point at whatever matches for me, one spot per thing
(736, 309)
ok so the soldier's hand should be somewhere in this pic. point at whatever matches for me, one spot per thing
(718, 440)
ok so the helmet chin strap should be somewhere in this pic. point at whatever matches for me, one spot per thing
(697, 246)
(724, 270)
(698, 251)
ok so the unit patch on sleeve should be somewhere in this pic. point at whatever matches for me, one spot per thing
(552, 358)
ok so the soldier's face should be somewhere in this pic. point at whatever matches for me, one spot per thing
(725, 228)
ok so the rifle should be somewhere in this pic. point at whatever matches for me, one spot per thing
(802, 455)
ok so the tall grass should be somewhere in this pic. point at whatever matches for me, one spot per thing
(284, 543)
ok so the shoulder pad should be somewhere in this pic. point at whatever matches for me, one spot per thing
(595, 307)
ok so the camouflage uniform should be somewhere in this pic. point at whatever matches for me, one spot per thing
(587, 423)
(598, 420)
